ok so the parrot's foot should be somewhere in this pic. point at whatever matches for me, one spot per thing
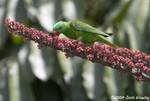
(96, 45)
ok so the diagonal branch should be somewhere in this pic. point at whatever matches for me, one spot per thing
(122, 59)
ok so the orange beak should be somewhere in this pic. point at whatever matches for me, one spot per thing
(56, 33)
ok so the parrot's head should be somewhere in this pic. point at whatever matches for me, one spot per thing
(59, 26)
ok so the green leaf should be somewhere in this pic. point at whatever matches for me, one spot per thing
(3, 31)
(41, 62)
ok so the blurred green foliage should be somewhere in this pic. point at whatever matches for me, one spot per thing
(31, 74)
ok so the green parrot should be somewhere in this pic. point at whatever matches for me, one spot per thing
(78, 30)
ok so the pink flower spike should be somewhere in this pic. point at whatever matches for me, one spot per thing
(124, 60)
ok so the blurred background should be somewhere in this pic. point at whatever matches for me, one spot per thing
(31, 74)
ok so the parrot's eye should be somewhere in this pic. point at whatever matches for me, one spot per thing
(60, 27)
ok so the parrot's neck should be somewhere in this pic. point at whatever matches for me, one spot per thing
(68, 31)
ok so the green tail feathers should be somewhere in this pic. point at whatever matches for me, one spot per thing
(113, 45)
(108, 43)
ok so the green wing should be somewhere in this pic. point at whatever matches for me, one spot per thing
(87, 28)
